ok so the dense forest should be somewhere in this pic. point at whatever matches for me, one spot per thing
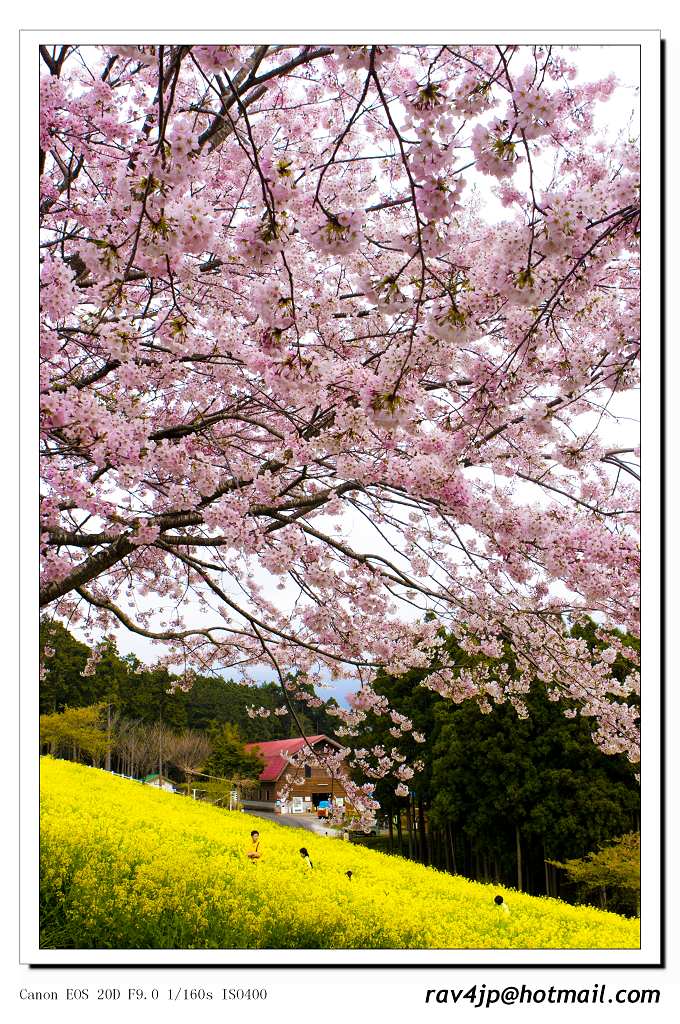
(500, 797)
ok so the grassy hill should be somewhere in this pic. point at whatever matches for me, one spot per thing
(126, 866)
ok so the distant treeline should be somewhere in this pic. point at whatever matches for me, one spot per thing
(139, 693)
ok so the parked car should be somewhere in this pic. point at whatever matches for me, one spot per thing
(324, 809)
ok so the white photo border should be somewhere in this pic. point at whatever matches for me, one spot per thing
(651, 949)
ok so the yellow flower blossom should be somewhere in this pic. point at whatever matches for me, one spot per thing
(128, 866)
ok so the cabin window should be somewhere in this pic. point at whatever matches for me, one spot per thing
(308, 771)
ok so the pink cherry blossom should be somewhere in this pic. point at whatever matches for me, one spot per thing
(307, 400)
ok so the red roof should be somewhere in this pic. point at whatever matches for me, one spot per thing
(272, 751)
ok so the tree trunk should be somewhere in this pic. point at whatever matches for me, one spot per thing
(518, 850)
(107, 763)
(400, 838)
(447, 852)
(424, 858)
(160, 748)
(390, 821)
(409, 826)
(452, 841)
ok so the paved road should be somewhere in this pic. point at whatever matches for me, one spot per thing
(303, 821)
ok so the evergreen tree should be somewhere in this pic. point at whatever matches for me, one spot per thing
(229, 758)
(64, 659)
(148, 696)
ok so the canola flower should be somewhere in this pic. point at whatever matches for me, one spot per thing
(127, 866)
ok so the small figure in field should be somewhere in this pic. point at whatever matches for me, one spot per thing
(304, 853)
(349, 875)
(254, 853)
(501, 904)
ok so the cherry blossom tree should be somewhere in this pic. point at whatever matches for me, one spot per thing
(328, 338)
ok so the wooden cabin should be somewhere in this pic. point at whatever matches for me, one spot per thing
(303, 796)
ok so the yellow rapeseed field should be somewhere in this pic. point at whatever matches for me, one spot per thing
(126, 866)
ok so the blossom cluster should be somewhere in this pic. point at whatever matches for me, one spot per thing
(273, 307)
